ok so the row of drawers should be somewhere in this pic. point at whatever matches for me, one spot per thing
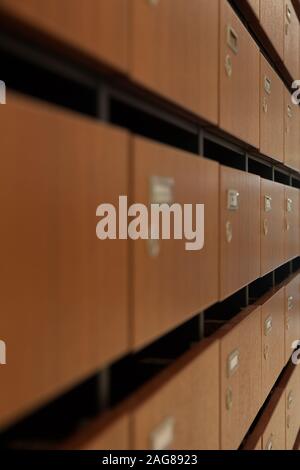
(69, 292)
(211, 401)
(279, 424)
(172, 48)
(280, 22)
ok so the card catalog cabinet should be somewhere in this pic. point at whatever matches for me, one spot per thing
(274, 435)
(291, 39)
(292, 403)
(292, 133)
(292, 223)
(272, 21)
(292, 315)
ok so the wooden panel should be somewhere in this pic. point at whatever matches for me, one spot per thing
(292, 403)
(239, 78)
(95, 27)
(175, 284)
(292, 227)
(174, 47)
(274, 435)
(291, 39)
(64, 291)
(240, 378)
(255, 6)
(272, 341)
(114, 437)
(272, 20)
(292, 134)
(240, 230)
(272, 225)
(258, 445)
(292, 315)
(271, 112)
(184, 412)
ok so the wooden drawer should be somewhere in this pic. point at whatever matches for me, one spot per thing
(292, 315)
(272, 341)
(291, 39)
(183, 413)
(96, 27)
(274, 435)
(272, 21)
(239, 79)
(173, 284)
(240, 229)
(292, 227)
(292, 403)
(271, 112)
(241, 364)
(292, 133)
(174, 52)
(64, 289)
(272, 225)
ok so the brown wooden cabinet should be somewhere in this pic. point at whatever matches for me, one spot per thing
(272, 341)
(272, 225)
(291, 39)
(273, 437)
(272, 21)
(292, 315)
(98, 28)
(174, 52)
(239, 78)
(292, 133)
(271, 112)
(170, 283)
(64, 292)
(241, 363)
(183, 411)
(292, 223)
(292, 404)
(239, 229)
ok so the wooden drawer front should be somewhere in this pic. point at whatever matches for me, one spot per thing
(271, 112)
(291, 39)
(96, 27)
(173, 284)
(292, 227)
(272, 225)
(272, 341)
(114, 437)
(241, 363)
(174, 51)
(239, 79)
(64, 290)
(274, 436)
(292, 403)
(184, 413)
(272, 21)
(292, 315)
(240, 229)
(292, 133)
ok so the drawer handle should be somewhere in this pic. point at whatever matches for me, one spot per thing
(266, 352)
(229, 234)
(265, 105)
(161, 438)
(269, 445)
(288, 14)
(290, 400)
(287, 225)
(266, 227)
(267, 85)
(290, 302)
(232, 39)
(288, 421)
(228, 65)
(153, 247)
(289, 111)
(229, 399)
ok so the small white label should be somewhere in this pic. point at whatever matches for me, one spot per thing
(233, 362)
(162, 437)
(268, 325)
(161, 189)
(289, 205)
(268, 203)
(232, 200)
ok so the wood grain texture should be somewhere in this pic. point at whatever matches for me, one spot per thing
(272, 341)
(64, 292)
(239, 92)
(176, 284)
(237, 268)
(292, 223)
(192, 402)
(292, 133)
(114, 437)
(275, 430)
(272, 21)
(272, 226)
(174, 52)
(96, 27)
(292, 404)
(292, 315)
(291, 39)
(245, 382)
(271, 112)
